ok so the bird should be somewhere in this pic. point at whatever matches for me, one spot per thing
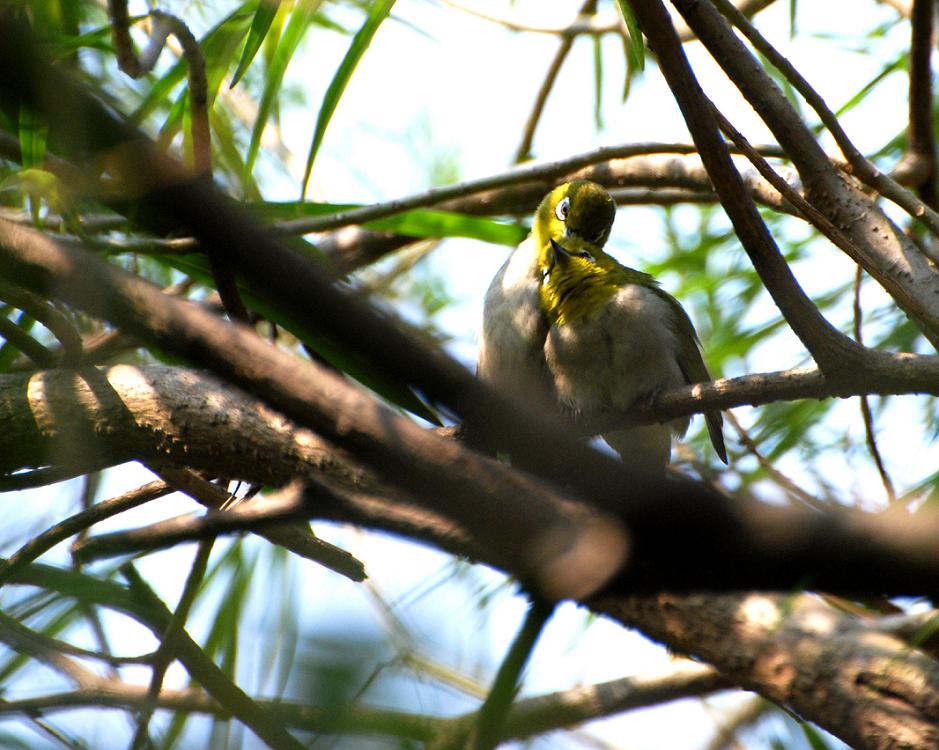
(568, 327)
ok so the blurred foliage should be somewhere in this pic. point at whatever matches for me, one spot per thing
(249, 617)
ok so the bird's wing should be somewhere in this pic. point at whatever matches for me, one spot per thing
(692, 365)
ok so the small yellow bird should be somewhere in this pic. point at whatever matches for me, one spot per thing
(568, 327)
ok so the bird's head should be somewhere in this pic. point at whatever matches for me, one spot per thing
(576, 213)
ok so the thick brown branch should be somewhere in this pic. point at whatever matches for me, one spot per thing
(481, 493)
(882, 248)
(830, 349)
(876, 694)
(921, 134)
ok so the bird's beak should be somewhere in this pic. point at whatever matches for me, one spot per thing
(561, 251)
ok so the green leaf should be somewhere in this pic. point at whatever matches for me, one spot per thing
(260, 25)
(637, 50)
(360, 42)
(421, 222)
(99, 38)
(598, 82)
(32, 132)
(228, 151)
(288, 43)
(814, 737)
(898, 64)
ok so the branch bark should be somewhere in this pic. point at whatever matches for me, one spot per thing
(831, 350)
(553, 545)
(882, 248)
(192, 419)
(869, 688)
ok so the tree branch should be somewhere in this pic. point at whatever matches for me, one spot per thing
(876, 694)
(587, 9)
(164, 25)
(882, 248)
(151, 612)
(921, 134)
(830, 349)
(782, 646)
(480, 492)
(45, 541)
(526, 718)
(163, 410)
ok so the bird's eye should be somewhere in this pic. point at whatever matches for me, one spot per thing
(562, 209)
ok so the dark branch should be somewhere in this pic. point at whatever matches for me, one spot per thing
(921, 133)
(830, 349)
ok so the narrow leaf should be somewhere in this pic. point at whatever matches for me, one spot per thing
(597, 82)
(637, 50)
(32, 133)
(420, 222)
(287, 44)
(260, 25)
(815, 739)
(898, 64)
(360, 42)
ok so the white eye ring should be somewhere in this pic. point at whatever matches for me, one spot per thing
(562, 209)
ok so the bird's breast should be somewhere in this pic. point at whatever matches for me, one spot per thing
(624, 349)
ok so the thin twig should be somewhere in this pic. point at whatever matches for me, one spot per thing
(20, 339)
(156, 616)
(903, 7)
(527, 717)
(781, 479)
(164, 25)
(24, 640)
(811, 214)
(45, 541)
(57, 323)
(53, 644)
(567, 42)
(739, 718)
(134, 65)
(594, 25)
(166, 653)
(298, 538)
(516, 176)
(863, 169)
(865, 403)
(583, 24)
